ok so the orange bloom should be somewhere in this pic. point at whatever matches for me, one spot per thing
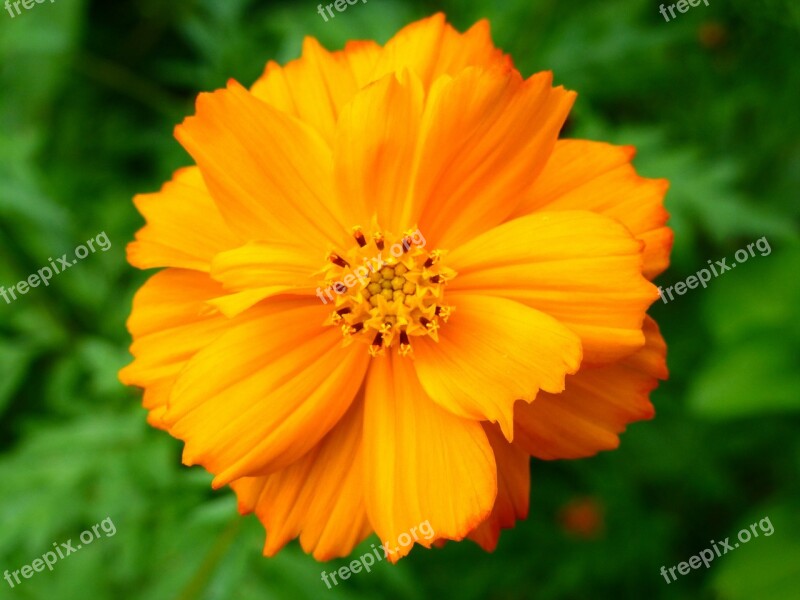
(583, 517)
(387, 284)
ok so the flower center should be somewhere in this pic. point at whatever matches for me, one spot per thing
(389, 290)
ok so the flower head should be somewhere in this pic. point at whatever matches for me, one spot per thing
(386, 284)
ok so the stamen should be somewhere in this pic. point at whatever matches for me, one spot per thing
(405, 344)
(425, 322)
(436, 279)
(444, 312)
(346, 311)
(432, 259)
(338, 260)
(356, 327)
(362, 241)
(378, 237)
(376, 349)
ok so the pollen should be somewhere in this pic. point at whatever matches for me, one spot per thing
(386, 290)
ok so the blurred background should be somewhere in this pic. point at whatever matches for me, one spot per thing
(89, 95)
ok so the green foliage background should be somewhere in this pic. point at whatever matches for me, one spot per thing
(89, 94)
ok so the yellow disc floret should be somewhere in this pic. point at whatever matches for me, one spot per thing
(388, 291)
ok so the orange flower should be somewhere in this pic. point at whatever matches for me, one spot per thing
(382, 278)
(583, 517)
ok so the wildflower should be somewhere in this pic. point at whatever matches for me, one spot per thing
(517, 329)
(583, 517)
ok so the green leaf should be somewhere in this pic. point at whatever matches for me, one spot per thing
(14, 362)
(756, 377)
(752, 359)
(765, 566)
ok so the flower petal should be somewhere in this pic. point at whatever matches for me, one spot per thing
(579, 267)
(257, 270)
(269, 173)
(374, 150)
(316, 86)
(485, 137)
(432, 47)
(319, 498)
(154, 400)
(258, 264)
(513, 490)
(184, 228)
(491, 352)
(422, 463)
(169, 325)
(596, 406)
(595, 176)
(266, 392)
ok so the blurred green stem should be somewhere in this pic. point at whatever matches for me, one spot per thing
(198, 583)
(128, 83)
